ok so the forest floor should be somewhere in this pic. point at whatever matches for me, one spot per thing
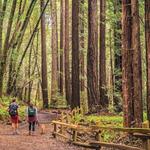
(23, 141)
(46, 141)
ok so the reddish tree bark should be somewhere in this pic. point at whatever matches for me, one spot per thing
(147, 43)
(82, 46)
(127, 78)
(62, 37)
(67, 63)
(43, 59)
(92, 75)
(75, 55)
(54, 44)
(137, 69)
(102, 57)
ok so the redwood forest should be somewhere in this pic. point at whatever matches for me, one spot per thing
(74, 74)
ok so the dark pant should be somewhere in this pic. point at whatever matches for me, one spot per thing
(32, 126)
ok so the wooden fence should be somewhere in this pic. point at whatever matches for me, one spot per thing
(75, 133)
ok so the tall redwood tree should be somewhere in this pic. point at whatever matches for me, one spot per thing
(67, 63)
(127, 78)
(62, 37)
(82, 46)
(102, 56)
(92, 73)
(75, 55)
(54, 45)
(44, 60)
(147, 40)
(137, 69)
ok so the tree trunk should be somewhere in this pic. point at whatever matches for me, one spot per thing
(43, 59)
(11, 85)
(127, 78)
(29, 72)
(75, 55)
(67, 63)
(118, 58)
(25, 24)
(147, 43)
(6, 43)
(62, 37)
(82, 45)
(2, 14)
(18, 24)
(1, 35)
(25, 94)
(111, 95)
(31, 39)
(92, 75)
(102, 57)
(137, 69)
(37, 95)
(54, 79)
(1, 28)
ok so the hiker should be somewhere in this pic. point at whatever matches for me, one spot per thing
(31, 118)
(13, 112)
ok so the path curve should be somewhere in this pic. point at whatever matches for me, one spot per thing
(37, 142)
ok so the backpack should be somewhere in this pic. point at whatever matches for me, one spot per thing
(13, 110)
(31, 112)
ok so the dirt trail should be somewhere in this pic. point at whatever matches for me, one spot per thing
(37, 142)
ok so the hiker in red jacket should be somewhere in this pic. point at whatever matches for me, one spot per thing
(13, 112)
(31, 112)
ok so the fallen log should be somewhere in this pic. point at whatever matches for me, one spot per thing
(87, 145)
(113, 145)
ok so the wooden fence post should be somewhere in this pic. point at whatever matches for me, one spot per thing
(55, 130)
(62, 120)
(146, 144)
(98, 138)
(74, 136)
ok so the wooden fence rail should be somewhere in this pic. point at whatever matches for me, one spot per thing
(60, 129)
